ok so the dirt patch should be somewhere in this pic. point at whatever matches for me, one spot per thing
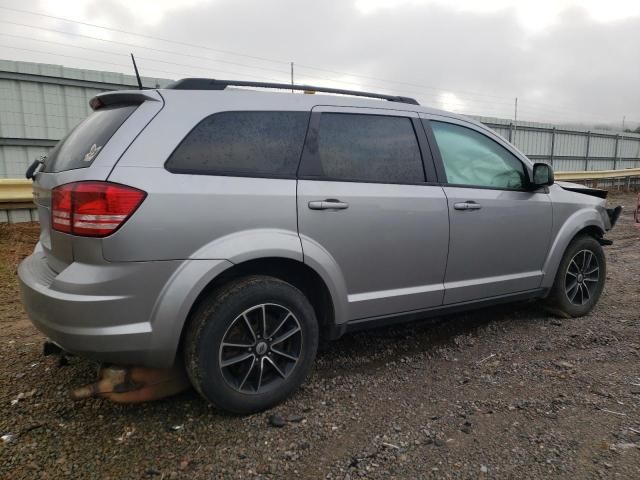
(501, 393)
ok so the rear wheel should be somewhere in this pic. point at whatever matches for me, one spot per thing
(251, 344)
(580, 278)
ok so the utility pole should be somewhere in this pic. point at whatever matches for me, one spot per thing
(515, 116)
(291, 77)
(624, 117)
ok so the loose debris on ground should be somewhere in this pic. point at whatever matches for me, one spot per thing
(507, 392)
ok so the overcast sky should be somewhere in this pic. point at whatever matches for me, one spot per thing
(565, 60)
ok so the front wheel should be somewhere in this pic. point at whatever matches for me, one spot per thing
(251, 344)
(580, 278)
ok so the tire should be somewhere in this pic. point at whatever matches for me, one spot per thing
(567, 300)
(236, 315)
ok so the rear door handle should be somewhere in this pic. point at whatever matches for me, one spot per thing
(328, 204)
(470, 205)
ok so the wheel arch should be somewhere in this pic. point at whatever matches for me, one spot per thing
(584, 222)
(297, 273)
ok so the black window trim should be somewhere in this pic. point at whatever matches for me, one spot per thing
(228, 173)
(309, 167)
(439, 164)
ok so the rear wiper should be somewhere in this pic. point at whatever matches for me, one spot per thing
(31, 171)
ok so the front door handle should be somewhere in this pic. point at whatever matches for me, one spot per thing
(328, 204)
(469, 205)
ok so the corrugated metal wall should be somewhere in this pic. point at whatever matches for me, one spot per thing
(570, 149)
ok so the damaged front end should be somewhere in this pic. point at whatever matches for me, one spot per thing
(578, 188)
(612, 213)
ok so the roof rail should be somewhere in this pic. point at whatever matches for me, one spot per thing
(213, 84)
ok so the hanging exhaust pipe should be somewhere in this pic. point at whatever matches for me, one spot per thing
(134, 384)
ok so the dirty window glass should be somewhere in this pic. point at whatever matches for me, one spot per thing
(471, 158)
(243, 143)
(83, 144)
(372, 148)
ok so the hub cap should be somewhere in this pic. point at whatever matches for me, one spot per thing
(260, 348)
(582, 277)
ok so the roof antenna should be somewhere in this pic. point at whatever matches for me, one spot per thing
(135, 67)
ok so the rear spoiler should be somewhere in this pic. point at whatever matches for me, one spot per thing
(128, 97)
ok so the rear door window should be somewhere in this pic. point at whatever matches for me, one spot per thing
(369, 148)
(85, 142)
(243, 143)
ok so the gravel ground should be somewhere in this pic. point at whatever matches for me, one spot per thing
(502, 393)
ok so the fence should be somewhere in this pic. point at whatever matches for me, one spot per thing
(568, 149)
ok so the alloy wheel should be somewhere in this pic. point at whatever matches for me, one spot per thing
(583, 275)
(260, 349)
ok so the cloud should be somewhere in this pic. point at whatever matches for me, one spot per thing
(564, 60)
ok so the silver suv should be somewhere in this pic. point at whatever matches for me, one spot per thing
(231, 228)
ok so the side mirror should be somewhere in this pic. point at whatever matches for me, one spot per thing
(542, 175)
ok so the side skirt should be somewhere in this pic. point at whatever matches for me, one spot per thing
(381, 321)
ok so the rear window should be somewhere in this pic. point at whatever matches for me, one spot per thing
(85, 142)
(243, 144)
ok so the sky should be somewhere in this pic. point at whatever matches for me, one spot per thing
(566, 61)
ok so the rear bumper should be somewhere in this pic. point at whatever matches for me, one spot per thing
(103, 312)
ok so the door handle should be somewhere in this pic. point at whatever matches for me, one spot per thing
(469, 205)
(328, 204)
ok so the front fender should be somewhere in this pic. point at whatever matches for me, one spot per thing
(581, 219)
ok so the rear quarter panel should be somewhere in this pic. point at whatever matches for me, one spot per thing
(205, 217)
(202, 216)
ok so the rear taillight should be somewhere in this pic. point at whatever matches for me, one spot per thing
(93, 209)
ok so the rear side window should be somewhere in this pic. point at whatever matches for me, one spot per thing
(243, 144)
(85, 142)
(369, 148)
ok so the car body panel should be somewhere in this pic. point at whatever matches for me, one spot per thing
(362, 243)
(205, 216)
(572, 213)
(379, 243)
(498, 249)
